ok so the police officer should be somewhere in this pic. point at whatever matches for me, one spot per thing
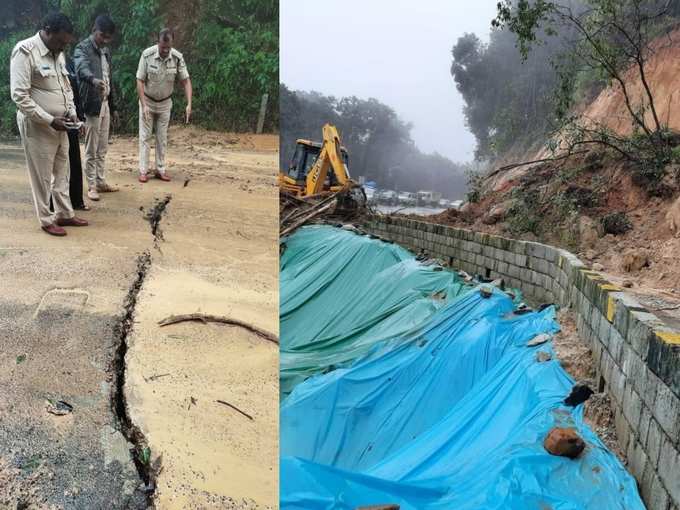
(159, 67)
(40, 88)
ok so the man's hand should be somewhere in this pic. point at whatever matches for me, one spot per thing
(187, 116)
(99, 84)
(116, 118)
(147, 112)
(58, 123)
(75, 120)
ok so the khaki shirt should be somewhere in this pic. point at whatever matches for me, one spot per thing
(158, 74)
(39, 82)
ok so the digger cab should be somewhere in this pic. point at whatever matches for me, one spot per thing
(306, 154)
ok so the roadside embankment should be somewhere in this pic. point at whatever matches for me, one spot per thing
(637, 355)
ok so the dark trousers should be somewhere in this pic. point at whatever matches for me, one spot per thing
(75, 185)
(76, 180)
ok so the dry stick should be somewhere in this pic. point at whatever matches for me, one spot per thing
(304, 220)
(154, 377)
(174, 319)
(289, 215)
(235, 408)
(298, 214)
(292, 198)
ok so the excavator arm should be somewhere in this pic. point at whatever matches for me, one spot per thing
(330, 158)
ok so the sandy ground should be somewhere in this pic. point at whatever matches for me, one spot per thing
(59, 316)
(219, 256)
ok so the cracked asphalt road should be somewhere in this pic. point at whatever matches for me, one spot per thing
(60, 311)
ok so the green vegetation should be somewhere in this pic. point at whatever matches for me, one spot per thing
(525, 215)
(609, 42)
(474, 184)
(616, 223)
(230, 46)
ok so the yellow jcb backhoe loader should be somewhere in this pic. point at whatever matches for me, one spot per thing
(318, 168)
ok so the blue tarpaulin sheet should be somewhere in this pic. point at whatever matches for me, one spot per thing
(341, 293)
(449, 415)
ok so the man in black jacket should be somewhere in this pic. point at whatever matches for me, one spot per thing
(93, 69)
(76, 177)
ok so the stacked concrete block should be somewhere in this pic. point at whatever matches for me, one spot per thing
(637, 355)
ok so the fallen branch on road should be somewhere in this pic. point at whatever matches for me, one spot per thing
(174, 319)
(236, 409)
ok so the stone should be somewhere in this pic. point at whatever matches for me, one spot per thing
(627, 284)
(543, 356)
(634, 260)
(564, 442)
(590, 254)
(538, 340)
(598, 267)
(580, 392)
(588, 232)
(673, 218)
(497, 212)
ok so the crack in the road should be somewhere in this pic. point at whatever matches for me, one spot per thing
(139, 446)
(154, 216)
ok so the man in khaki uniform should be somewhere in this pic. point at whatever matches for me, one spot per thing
(159, 67)
(41, 90)
(93, 68)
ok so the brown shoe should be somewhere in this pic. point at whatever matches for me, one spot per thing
(72, 222)
(54, 230)
(143, 178)
(162, 177)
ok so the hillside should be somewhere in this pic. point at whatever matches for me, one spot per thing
(593, 203)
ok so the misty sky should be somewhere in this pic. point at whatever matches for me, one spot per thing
(398, 51)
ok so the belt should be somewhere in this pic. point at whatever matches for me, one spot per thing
(157, 100)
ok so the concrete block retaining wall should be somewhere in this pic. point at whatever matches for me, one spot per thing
(637, 356)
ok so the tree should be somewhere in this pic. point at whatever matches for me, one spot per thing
(507, 98)
(610, 38)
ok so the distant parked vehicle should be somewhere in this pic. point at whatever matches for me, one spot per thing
(429, 198)
(386, 196)
(407, 198)
(445, 203)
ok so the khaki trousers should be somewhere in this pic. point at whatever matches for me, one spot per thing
(96, 145)
(46, 152)
(158, 122)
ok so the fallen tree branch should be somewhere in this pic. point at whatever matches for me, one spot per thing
(235, 409)
(525, 163)
(174, 319)
(305, 219)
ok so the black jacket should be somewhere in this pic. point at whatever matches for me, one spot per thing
(87, 60)
(71, 68)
